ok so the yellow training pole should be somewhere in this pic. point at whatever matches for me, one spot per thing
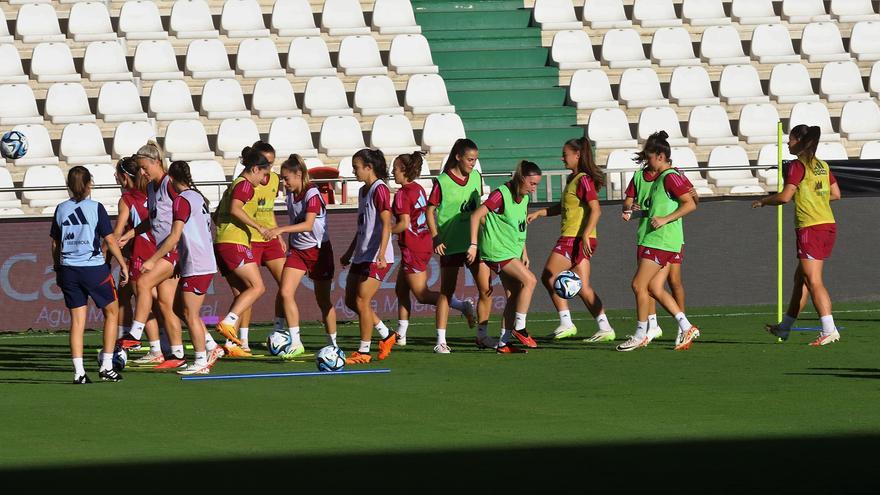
(779, 223)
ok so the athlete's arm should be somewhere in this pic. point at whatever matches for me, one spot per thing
(121, 220)
(476, 220)
(385, 218)
(166, 247)
(236, 209)
(686, 205)
(525, 257)
(402, 223)
(592, 223)
(779, 198)
(112, 245)
(304, 226)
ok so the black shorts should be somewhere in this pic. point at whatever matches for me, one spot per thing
(78, 283)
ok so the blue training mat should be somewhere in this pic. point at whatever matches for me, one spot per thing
(286, 374)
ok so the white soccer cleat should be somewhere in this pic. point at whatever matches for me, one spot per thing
(601, 336)
(215, 355)
(196, 369)
(149, 359)
(442, 349)
(654, 333)
(633, 343)
(687, 339)
(564, 332)
(826, 338)
(401, 340)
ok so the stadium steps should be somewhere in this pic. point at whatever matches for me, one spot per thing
(497, 76)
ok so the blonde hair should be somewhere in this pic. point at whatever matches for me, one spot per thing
(294, 164)
(151, 151)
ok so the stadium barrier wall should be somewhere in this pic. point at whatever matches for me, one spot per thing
(729, 259)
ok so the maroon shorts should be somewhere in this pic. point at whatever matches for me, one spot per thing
(570, 247)
(232, 256)
(455, 260)
(197, 284)
(816, 241)
(676, 260)
(497, 266)
(267, 251)
(371, 270)
(414, 261)
(658, 256)
(316, 262)
(135, 265)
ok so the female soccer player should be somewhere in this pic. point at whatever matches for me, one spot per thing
(665, 200)
(232, 245)
(191, 236)
(574, 250)
(77, 231)
(310, 252)
(455, 196)
(269, 253)
(414, 239)
(812, 185)
(502, 248)
(370, 253)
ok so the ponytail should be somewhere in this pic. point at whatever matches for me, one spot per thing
(412, 165)
(151, 151)
(296, 164)
(524, 169)
(78, 181)
(375, 159)
(807, 142)
(657, 144)
(461, 146)
(180, 173)
(252, 157)
(587, 160)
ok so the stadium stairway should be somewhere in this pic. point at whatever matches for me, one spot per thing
(497, 77)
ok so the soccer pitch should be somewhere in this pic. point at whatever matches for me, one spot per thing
(735, 384)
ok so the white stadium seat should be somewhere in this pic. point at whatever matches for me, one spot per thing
(874, 81)
(622, 48)
(813, 114)
(234, 134)
(242, 19)
(120, 101)
(741, 84)
(753, 12)
(223, 99)
(140, 20)
(258, 57)
(605, 14)
(394, 17)
(860, 120)
(672, 47)
(375, 95)
(426, 93)
(684, 157)
(105, 61)
(325, 96)
(39, 146)
(790, 83)
(821, 42)
(171, 100)
(410, 54)
(831, 151)
(620, 159)
(721, 45)
(440, 132)
(8, 199)
(653, 119)
(641, 88)
(590, 88)
(359, 56)
(690, 86)
(40, 177)
(274, 97)
(870, 151)
(68, 103)
(155, 60)
(343, 18)
(38, 23)
(308, 56)
(192, 19)
(5, 36)
(572, 50)
(729, 156)
(290, 135)
(708, 125)
(747, 190)
(82, 143)
(853, 10)
(19, 105)
(90, 21)
(11, 70)
(864, 43)
(704, 13)
(393, 134)
(771, 44)
(104, 174)
(842, 81)
(129, 136)
(768, 156)
(187, 140)
(205, 171)
(53, 62)
(553, 15)
(341, 136)
(655, 13)
(804, 11)
(207, 59)
(757, 123)
(293, 18)
(609, 128)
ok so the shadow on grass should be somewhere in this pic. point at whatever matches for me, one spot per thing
(784, 465)
(863, 373)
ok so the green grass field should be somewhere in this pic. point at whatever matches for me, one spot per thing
(735, 383)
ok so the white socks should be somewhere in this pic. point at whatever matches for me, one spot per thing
(365, 347)
(402, 326)
(827, 325)
(382, 329)
(155, 347)
(230, 319)
(201, 359)
(519, 321)
(243, 334)
(294, 336)
(78, 366)
(604, 325)
(177, 351)
(652, 321)
(441, 336)
(787, 322)
(565, 319)
(456, 303)
(683, 324)
(137, 329)
(106, 361)
(210, 343)
(641, 330)
(331, 339)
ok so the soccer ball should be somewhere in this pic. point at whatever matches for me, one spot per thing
(567, 284)
(278, 343)
(330, 358)
(120, 358)
(13, 145)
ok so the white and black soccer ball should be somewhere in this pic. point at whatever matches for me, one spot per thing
(330, 358)
(13, 145)
(278, 343)
(567, 284)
